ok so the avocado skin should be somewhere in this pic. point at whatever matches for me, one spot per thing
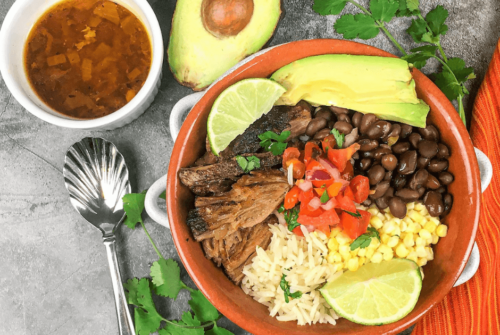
(197, 58)
(383, 86)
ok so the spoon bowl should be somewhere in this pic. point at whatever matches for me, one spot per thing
(97, 178)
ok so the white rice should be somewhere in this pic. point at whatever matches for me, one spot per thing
(303, 260)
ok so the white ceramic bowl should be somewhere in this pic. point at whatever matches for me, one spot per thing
(15, 30)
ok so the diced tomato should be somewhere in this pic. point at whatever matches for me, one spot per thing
(360, 186)
(297, 231)
(334, 189)
(325, 229)
(348, 172)
(292, 197)
(305, 209)
(289, 154)
(348, 193)
(298, 168)
(318, 177)
(339, 157)
(305, 197)
(345, 203)
(321, 183)
(353, 226)
(310, 151)
(329, 218)
(313, 165)
(319, 191)
(328, 143)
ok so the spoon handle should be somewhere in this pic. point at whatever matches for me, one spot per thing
(125, 324)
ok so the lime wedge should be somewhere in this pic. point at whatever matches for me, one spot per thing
(376, 294)
(238, 107)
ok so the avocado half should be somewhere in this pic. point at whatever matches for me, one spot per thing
(198, 55)
(368, 84)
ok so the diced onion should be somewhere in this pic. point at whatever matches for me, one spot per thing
(290, 174)
(350, 138)
(305, 185)
(280, 216)
(315, 203)
(332, 170)
(329, 205)
(317, 175)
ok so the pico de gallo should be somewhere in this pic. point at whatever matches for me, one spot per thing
(326, 191)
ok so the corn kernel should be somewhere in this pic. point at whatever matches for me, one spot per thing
(417, 228)
(408, 240)
(412, 256)
(430, 253)
(375, 243)
(419, 241)
(430, 226)
(354, 252)
(419, 206)
(377, 257)
(416, 216)
(369, 253)
(435, 239)
(362, 261)
(353, 264)
(422, 273)
(388, 227)
(384, 249)
(442, 230)
(388, 256)
(410, 205)
(401, 251)
(435, 220)
(393, 241)
(425, 234)
(361, 252)
(428, 242)
(343, 239)
(381, 216)
(335, 231)
(396, 231)
(373, 212)
(376, 222)
(331, 257)
(424, 211)
(420, 250)
(333, 245)
(421, 261)
(337, 258)
(403, 225)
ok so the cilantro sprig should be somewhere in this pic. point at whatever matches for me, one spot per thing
(291, 217)
(339, 138)
(285, 286)
(247, 164)
(364, 240)
(165, 282)
(426, 30)
(356, 215)
(273, 142)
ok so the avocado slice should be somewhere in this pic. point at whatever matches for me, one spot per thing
(205, 43)
(380, 85)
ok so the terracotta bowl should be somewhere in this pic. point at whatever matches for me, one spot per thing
(451, 253)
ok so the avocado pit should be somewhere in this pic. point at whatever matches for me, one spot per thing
(225, 18)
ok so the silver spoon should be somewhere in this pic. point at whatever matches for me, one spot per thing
(96, 177)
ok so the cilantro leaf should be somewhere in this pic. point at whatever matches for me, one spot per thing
(447, 83)
(202, 308)
(166, 278)
(277, 147)
(291, 217)
(281, 209)
(420, 55)
(408, 8)
(359, 25)
(183, 328)
(384, 10)
(435, 19)
(462, 73)
(285, 286)
(147, 319)
(242, 162)
(218, 331)
(249, 163)
(324, 197)
(364, 240)
(328, 7)
(338, 137)
(356, 215)
(133, 205)
(417, 30)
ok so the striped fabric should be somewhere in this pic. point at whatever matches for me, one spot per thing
(474, 307)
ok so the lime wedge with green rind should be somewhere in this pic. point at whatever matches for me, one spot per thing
(238, 107)
(376, 294)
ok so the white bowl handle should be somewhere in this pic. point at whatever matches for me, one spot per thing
(486, 170)
(180, 110)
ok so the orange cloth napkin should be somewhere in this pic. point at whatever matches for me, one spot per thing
(474, 307)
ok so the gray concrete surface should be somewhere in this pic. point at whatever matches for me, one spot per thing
(53, 271)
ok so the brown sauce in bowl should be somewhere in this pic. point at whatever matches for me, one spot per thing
(87, 58)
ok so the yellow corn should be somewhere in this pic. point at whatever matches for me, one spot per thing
(416, 216)
(343, 239)
(425, 234)
(401, 251)
(430, 226)
(421, 261)
(361, 252)
(430, 253)
(442, 230)
(369, 253)
(411, 205)
(393, 241)
(408, 240)
(335, 231)
(333, 244)
(388, 256)
(419, 241)
(377, 257)
(421, 251)
(384, 238)
(384, 249)
(331, 257)
(435, 239)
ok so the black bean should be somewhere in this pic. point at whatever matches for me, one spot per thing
(303, 105)
(367, 154)
(434, 203)
(429, 133)
(408, 195)
(343, 127)
(339, 110)
(414, 139)
(432, 182)
(397, 207)
(315, 125)
(355, 156)
(331, 124)
(441, 189)
(419, 179)
(366, 122)
(443, 151)
(427, 148)
(401, 147)
(378, 130)
(390, 193)
(367, 144)
(385, 146)
(421, 192)
(388, 176)
(367, 203)
(344, 117)
(321, 134)
(448, 202)
(406, 130)
(389, 162)
(380, 189)
(422, 162)
(325, 114)
(382, 203)
(376, 174)
(437, 165)
(365, 164)
(381, 152)
(356, 119)
(446, 178)
(395, 132)
(399, 181)
(408, 162)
